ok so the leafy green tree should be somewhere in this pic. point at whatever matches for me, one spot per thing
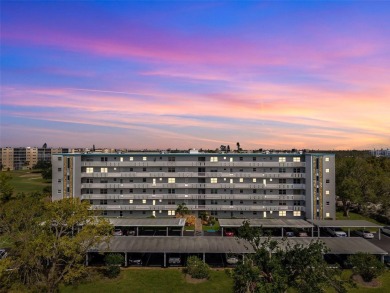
(366, 265)
(6, 189)
(49, 241)
(113, 262)
(197, 269)
(275, 265)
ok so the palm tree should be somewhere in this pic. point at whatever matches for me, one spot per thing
(182, 210)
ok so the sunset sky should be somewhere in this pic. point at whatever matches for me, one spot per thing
(164, 74)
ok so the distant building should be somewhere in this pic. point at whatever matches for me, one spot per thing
(225, 185)
(26, 157)
(380, 153)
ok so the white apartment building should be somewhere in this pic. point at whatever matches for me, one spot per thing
(226, 185)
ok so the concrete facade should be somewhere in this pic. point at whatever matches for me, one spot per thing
(225, 185)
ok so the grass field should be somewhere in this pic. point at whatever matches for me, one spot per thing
(26, 181)
(172, 281)
(155, 280)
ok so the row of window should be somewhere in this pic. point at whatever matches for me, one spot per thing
(200, 170)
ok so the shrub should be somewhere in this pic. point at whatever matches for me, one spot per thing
(113, 262)
(366, 265)
(197, 269)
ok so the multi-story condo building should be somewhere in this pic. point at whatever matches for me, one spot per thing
(226, 185)
(26, 157)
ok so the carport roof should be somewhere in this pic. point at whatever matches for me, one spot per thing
(123, 222)
(344, 223)
(214, 244)
(266, 223)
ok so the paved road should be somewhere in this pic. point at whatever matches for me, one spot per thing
(384, 243)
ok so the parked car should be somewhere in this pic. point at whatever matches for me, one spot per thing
(290, 234)
(336, 232)
(117, 232)
(136, 261)
(130, 233)
(231, 259)
(302, 234)
(229, 233)
(174, 261)
(386, 230)
(365, 234)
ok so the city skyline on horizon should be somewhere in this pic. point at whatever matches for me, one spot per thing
(159, 75)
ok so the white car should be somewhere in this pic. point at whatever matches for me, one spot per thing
(117, 232)
(231, 259)
(336, 232)
(386, 230)
(365, 234)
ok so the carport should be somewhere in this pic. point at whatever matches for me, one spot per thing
(345, 224)
(203, 245)
(266, 223)
(149, 223)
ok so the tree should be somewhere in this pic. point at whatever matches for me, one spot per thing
(366, 265)
(182, 210)
(49, 241)
(276, 265)
(197, 269)
(113, 262)
(6, 189)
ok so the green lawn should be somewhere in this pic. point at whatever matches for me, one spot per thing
(355, 216)
(26, 181)
(155, 280)
(214, 227)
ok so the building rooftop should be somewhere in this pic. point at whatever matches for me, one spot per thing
(345, 223)
(158, 222)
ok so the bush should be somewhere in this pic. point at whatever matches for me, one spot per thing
(197, 269)
(113, 262)
(366, 265)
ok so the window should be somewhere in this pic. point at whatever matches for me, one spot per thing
(213, 159)
(59, 191)
(103, 159)
(103, 191)
(59, 159)
(121, 159)
(327, 203)
(282, 159)
(327, 181)
(254, 191)
(214, 213)
(171, 191)
(254, 169)
(171, 169)
(170, 201)
(297, 170)
(171, 180)
(171, 213)
(282, 191)
(254, 158)
(143, 179)
(327, 192)
(144, 201)
(241, 158)
(241, 179)
(282, 180)
(59, 169)
(59, 180)
(282, 213)
(296, 159)
(213, 201)
(130, 201)
(231, 159)
(297, 213)
(254, 180)
(103, 201)
(131, 159)
(214, 191)
(144, 169)
(213, 180)
(171, 159)
(282, 170)
(144, 158)
(255, 213)
(326, 170)
(297, 181)
(103, 170)
(327, 215)
(326, 159)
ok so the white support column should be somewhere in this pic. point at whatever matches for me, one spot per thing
(165, 260)
(282, 231)
(86, 259)
(167, 231)
(349, 232)
(204, 257)
(222, 231)
(379, 233)
(125, 259)
(137, 232)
